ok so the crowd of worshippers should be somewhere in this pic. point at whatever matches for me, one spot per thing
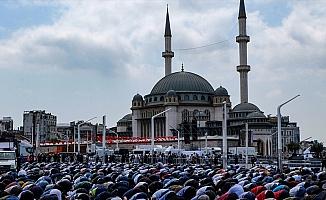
(123, 181)
(128, 158)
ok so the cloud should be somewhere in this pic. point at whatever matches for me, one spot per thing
(296, 45)
(124, 40)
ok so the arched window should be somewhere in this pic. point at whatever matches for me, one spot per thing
(150, 99)
(185, 115)
(155, 98)
(161, 98)
(138, 103)
(195, 98)
(186, 97)
(170, 99)
(203, 98)
(195, 113)
(134, 103)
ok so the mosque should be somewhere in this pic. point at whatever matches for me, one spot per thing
(196, 109)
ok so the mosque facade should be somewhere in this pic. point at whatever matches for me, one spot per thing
(196, 109)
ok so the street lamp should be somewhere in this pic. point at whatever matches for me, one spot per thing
(279, 133)
(206, 143)
(104, 134)
(178, 135)
(198, 130)
(152, 130)
(78, 128)
(225, 148)
(67, 138)
(117, 141)
(74, 139)
(247, 136)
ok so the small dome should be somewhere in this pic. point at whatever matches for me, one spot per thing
(126, 118)
(171, 93)
(221, 91)
(256, 114)
(137, 97)
(245, 107)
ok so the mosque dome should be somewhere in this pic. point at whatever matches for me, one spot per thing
(245, 107)
(221, 91)
(182, 82)
(137, 97)
(256, 114)
(126, 118)
(171, 93)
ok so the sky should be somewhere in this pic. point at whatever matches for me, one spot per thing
(80, 59)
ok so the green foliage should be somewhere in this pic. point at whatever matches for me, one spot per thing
(317, 148)
(293, 147)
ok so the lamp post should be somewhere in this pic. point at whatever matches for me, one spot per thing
(178, 135)
(37, 140)
(117, 140)
(279, 133)
(152, 130)
(104, 134)
(78, 129)
(198, 130)
(225, 148)
(67, 138)
(74, 139)
(206, 143)
(247, 145)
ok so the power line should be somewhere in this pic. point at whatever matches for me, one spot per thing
(199, 47)
(210, 44)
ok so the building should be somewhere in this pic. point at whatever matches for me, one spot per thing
(38, 122)
(196, 109)
(88, 131)
(290, 133)
(6, 124)
(124, 126)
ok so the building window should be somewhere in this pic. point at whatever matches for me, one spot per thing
(185, 115)
(207, 114)
(196, 113)
(161, 98)
(203, 98)
(150, 99)
(134, 103)
(170, 99)
(138, 103)
(155, 98)
(195, 98)
(186, 97)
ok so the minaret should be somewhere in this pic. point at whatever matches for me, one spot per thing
(243, 39)
(168, 53)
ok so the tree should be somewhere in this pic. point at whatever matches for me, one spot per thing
(293, 147)
(317, 148)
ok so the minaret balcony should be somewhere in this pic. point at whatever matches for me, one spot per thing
(242, 38)
(243, 68)
(168, 54)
